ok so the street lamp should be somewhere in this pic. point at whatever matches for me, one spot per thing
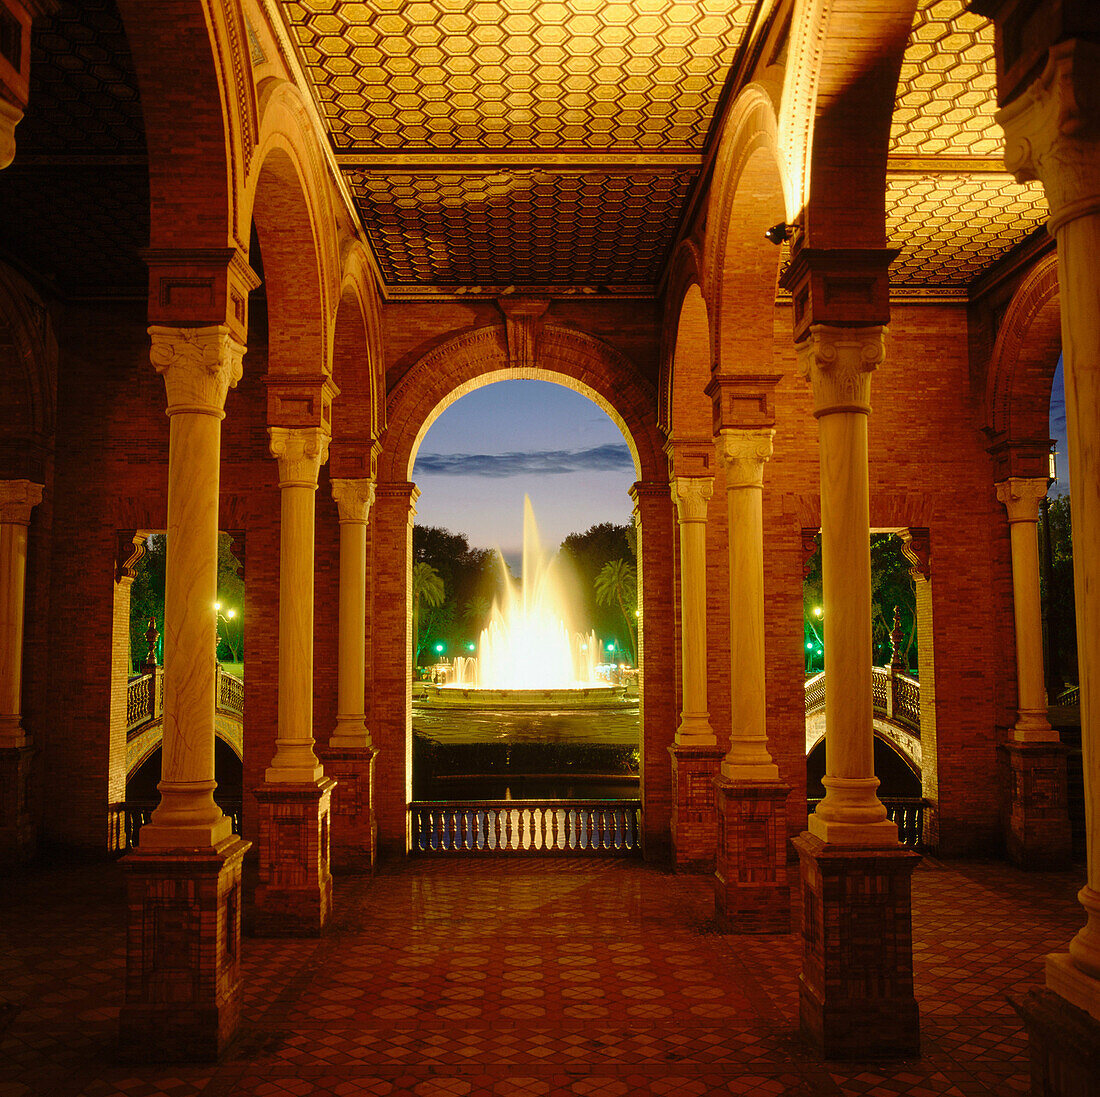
(227, 616)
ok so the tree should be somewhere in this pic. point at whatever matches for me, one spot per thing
(147, 596)
(427, 584)
(618, 582)
(230, 597)
(1058, 599)
(587, 553)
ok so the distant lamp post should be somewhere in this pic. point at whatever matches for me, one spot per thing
(439, 649)
(225, 617)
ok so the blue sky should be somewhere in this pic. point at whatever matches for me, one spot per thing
(1058, 432)
(495, 444)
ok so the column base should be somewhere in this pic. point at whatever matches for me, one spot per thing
(17, 837)
(1064, 1045)
(294, 895)
(1036, 816)
(183, 954)
(694, 826)
(751, 891)
(856, 987)
(354, 846)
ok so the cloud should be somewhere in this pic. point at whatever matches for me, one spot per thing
(613, 457)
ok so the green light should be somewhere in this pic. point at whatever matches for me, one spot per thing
(611, 646)
(439, 647)
(471, 647)
(809, 647)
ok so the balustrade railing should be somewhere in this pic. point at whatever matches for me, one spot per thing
(142, 706)
(126, 818)
(597, 827)
(907, 813)
(895, 695)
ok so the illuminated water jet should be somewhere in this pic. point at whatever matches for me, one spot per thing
(527, 644)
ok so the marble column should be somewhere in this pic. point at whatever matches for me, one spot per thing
(199, 366)
(17, 499)
(1037, 817)
(1052, 133)
(694, 750)
(751, 891)
(838, 362)
(856, 988)
(183, 971)
(1021, 499)
(294, 895)
(349, 755)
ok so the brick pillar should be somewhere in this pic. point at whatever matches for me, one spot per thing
(916, 545)
(17, 499)
(653, 514)
(391, 642)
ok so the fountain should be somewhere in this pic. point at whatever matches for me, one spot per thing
(527, 656)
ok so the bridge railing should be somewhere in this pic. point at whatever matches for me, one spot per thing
(608, 828)
(145, 697)
(908, 813)
(126, 818)
(896, 696)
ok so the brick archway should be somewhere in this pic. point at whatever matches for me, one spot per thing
(517, 350)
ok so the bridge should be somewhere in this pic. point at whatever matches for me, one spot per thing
(896, 698)
(145, 715)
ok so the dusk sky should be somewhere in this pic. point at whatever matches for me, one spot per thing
(1058, 432)
(499, 442)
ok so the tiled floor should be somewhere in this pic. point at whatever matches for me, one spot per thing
(523, 978)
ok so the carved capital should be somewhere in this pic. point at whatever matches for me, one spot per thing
(1021, 498)
(10, 117)
(199, 367)
(129, 553)
(353, 499)
(916, 547)
(838, 363)
(691, 495)
(17, 499)
(1052, 131)
(742, 454)
(300, 451)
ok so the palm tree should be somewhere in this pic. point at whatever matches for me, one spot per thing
(427, 584)
(475, 611)
(618, 582)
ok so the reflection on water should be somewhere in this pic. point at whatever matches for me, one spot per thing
(516, 786)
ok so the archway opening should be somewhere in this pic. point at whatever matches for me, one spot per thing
(487, 597)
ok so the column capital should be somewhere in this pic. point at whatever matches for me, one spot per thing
(691, 495)
(10, 117)
(353, 499)
(300, 451)
(17, 499)
(199, 366)
(742, 401)
(1052, 131)
(1021, 498)
(838, 363)
(692, 456)
(742, 454)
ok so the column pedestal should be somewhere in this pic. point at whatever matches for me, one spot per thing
(16, 821)
(183, 955)
(751, 891)
(694, 820)
(1037, 828)
(294, 895)
(856, 988)
(353, 834)
(1064, 1043)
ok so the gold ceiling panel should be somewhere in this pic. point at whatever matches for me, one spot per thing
(947, 88)
(521, 227)
(581, 74)
(952, 227)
